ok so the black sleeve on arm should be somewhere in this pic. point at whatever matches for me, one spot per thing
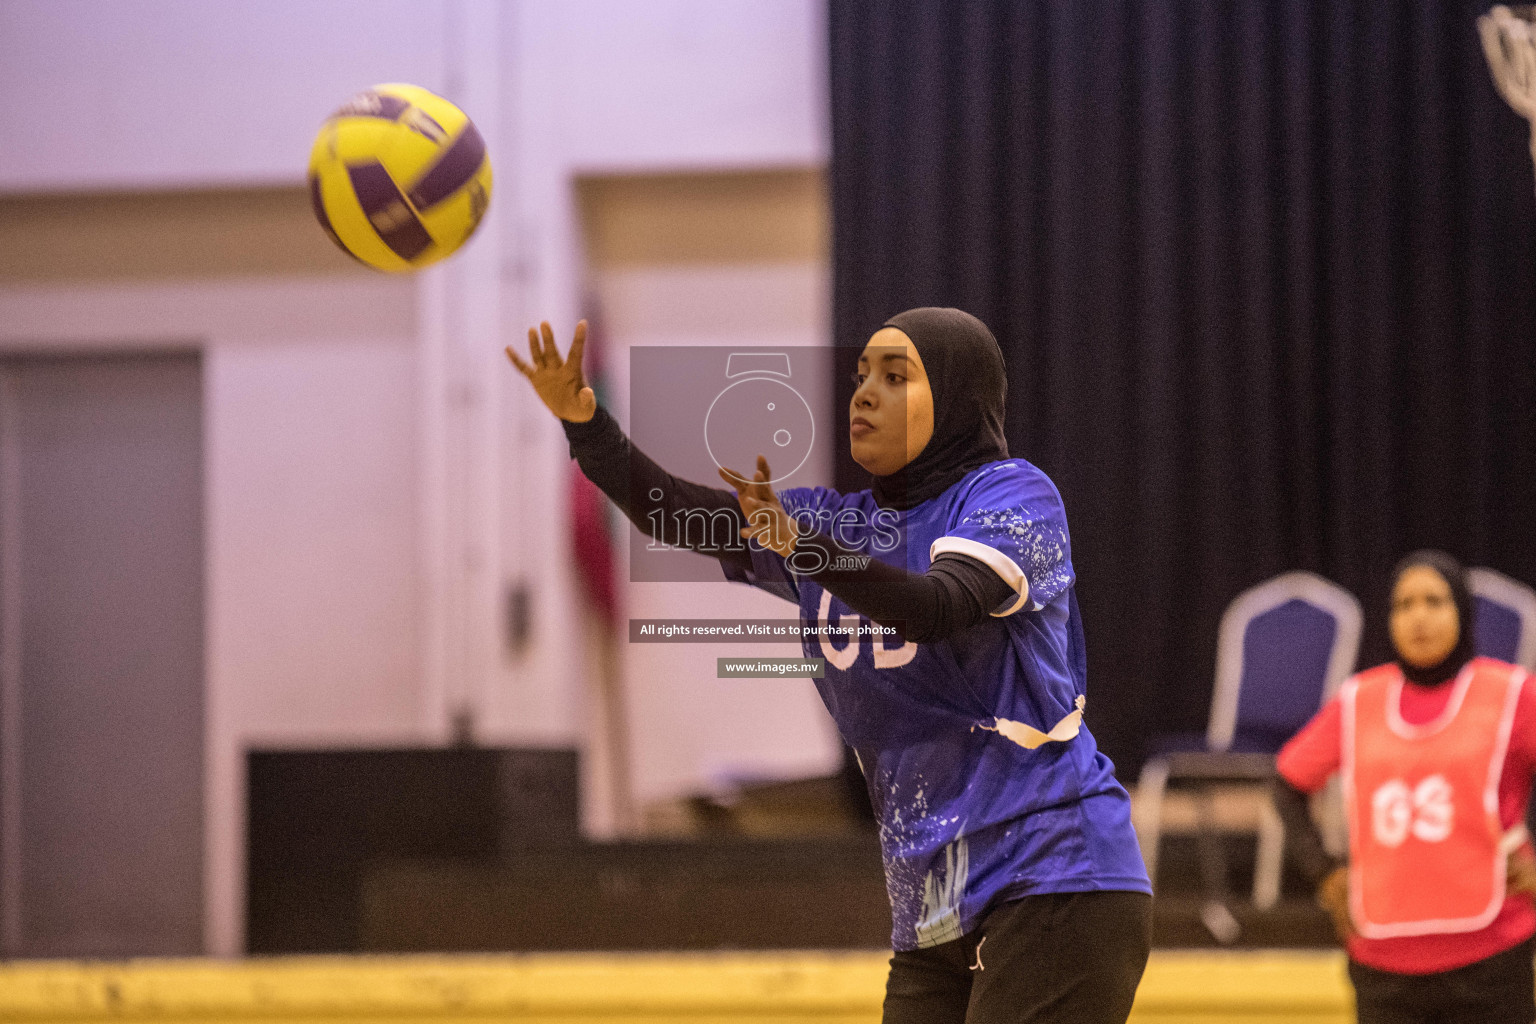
(1303, 841)
(954, 594)
(628, 476)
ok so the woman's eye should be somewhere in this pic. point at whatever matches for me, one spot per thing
(857, 378)
(895, 378)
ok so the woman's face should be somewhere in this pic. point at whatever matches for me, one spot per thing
(890, 419)
(1424, 623)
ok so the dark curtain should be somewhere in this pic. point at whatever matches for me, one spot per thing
(1263, 273)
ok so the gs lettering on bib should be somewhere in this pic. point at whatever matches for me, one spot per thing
(1427, 849)
(1426, 811)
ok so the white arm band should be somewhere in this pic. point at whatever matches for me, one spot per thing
(1000, 563)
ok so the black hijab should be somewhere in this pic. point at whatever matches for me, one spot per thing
(1452, 572)
(969, 385)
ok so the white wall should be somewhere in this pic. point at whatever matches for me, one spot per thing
(310, 494)
(369, 434)
(692, 730)
(652, 85)
(311, 535)
(165, 93)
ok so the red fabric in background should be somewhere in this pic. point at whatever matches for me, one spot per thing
(591, 533)
(591, 545)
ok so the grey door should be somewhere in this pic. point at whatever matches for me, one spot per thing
(101, 656)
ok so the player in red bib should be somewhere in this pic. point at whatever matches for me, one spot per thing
(1436, 751)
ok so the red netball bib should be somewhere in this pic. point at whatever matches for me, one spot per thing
(1427, 850)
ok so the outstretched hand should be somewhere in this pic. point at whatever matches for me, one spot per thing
(768, 523)
(559, 382)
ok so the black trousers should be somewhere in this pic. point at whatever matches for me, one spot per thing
(1498, 990)
(1074, 958)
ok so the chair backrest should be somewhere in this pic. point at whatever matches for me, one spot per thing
(1283, 649)
(1506, 617)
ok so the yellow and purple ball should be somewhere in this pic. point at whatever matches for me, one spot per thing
(399, 177)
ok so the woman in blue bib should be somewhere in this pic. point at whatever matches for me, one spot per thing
(1017, 888)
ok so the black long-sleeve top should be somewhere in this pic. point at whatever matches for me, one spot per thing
(956, 592)
(1303, 840)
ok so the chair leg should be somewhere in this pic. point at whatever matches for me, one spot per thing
(1213, 860)
(1150, 789)
(1328, 811)
(1269, 858)
(1214, 913)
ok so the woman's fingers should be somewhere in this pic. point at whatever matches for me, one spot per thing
(522, 367)
(755, 495)
(533, 348)
(750, 501)
(769, 527)
(735, 479)
(1521, 873)
(760, 480)
(559, 383)
(578, 345)
(544, 354)
(1333, 896)
(551, 353)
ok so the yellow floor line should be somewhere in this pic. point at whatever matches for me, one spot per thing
(580, 988)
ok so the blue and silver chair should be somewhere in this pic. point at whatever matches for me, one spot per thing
(1283, 648)
(1506, 617)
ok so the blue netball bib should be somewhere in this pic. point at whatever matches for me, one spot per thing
(985, 779)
